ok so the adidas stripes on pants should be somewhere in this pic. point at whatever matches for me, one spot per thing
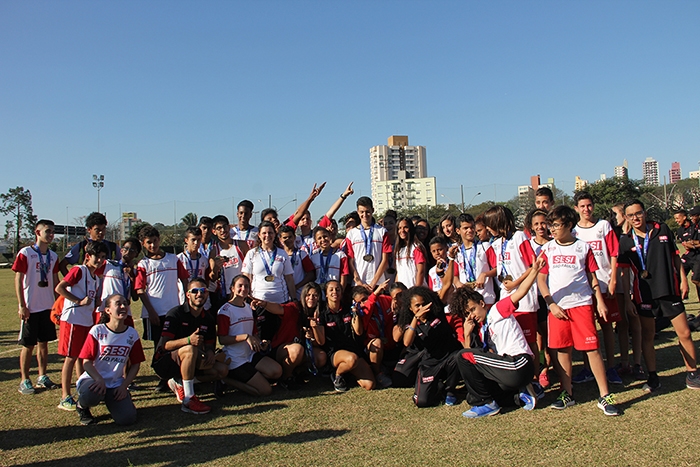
(487, 375)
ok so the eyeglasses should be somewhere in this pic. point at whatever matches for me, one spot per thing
(555, 226)
(198, 290)
(127, 249)
(637, 215)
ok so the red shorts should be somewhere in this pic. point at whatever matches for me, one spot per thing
(578, 331)
(528, 323)
(71, 338)
(614, 315)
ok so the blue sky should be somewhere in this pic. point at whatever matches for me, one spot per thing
(193, 106)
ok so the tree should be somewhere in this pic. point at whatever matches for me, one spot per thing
(136, 228)
(607, 193)
(190, 219)
(17, 202)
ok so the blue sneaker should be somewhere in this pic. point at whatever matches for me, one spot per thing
(539, 391)
(613, 377)
(479, 411)
(528, 397)
(450, 400)
(583, 376)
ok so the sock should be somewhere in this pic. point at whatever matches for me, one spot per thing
(188, 386)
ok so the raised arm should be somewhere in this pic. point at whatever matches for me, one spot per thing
(339, 202)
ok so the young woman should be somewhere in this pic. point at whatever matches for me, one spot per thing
(447, 228)
(269, 268)
(106, 377)
(249, 370)
(410, 255)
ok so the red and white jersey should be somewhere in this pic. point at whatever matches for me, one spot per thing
(115, 280)
(254, 264)
(232, 320)
(435, 282)
(160, 278)
(250, 235)
(301, 264)
(195, 268)
(604, 244)
(109, 351)
(305, 243)
(27, 262)
(473, 265)
(508, 260)
(505, 336)
(530, 250)
(357, 250)
(337, 266)
(568, 267)
(407, 261)
(81, 283)
(232, 267)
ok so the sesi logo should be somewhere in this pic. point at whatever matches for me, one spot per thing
(506, 256)
(114, 351)
(596, 245)
(563, 259)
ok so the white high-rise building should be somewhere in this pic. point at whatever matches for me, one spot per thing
(621, 171)
(650, 171)
(399, 175)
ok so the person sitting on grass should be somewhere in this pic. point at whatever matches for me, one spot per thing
(110, 347)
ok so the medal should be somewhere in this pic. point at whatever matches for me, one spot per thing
(367, 239)
(44, 267)
(642, 252)
(268, 267)
(504, 276)
(471, 284)
(368, 258)
(270, 278)
(43, 283)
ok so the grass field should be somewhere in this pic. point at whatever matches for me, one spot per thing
(315, 426)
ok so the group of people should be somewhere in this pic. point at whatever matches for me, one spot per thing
(391, 304)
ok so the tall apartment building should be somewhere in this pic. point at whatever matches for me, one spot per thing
(622, 171)
(650, 171)
(399, 176)
(580, 184)
(674, 175)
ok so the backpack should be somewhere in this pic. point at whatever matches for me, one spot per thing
(57, 310)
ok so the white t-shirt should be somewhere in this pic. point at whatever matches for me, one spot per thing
(604, 244)
(567, 266)
(471, 267)
(337, 266)
(378, 243)
(195, 268)
(509, 261)
(232, 267)
(109, 351)
(115, 280)
(81, 283)
(28, 263)
(254, 264)
(407, 260)
(504, 333)
(233, 321)
(435, 282)
(160, 278)
(250, 235)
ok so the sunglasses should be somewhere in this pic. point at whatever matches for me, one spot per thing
(197, 290)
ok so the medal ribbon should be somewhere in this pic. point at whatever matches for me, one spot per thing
(367, 239)
(126, 280)
(324, 267)
(471, 262)
(273, 255)
(504, 245)
(43, 267)
(642, 257)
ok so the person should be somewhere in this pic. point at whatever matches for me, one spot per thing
(567, 283)
(503, 365)
(186, 348)
(96, 226)
(689, 237)
(330, 264)
(79, 289)
(158, 276)
(599, 235)
(225, 261)
(482, 232)
(36, 276)
(389, 223)
(440, 280)
(195, 262)
(112, 355)
(249, 370)
(118, 278)
(410, 255)
(649, 250)
(269, 268)
(368, 248)
(472, 261)
(305, 240)
(339, 331)
(447, 227)
(206, 227)
(544, 198)
(378, 324)
(303, 270)
(425, 326)
(244, 231)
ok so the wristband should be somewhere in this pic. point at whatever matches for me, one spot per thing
(343, 197)
(188, 341)
(411, 328)
(450, 258)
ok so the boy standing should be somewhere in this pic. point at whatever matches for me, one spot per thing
(472, 261)
(36, 276)
(96, 225)
(225, 261)
(244, 231)
(368, 247)
(196, 263)
(118, 278)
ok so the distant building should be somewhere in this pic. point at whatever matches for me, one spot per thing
(580, 184)
(694, 174)
(622, 171)
(128, 220)
(399, 175)
(674, 175)
(650, 171)
(526, 193)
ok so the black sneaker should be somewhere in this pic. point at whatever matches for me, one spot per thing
(692, 381)
(290, 384)
(607, 405)
(219, 388)
(162, 386)
(563, 401)
(86, 417)
(652, 385)
(339, 383)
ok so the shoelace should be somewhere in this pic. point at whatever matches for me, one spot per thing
(609, 399)
(564, 396)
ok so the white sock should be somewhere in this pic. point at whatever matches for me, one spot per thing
(188, 386)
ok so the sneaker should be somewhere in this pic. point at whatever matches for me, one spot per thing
(67, 404)
(177, 389)
(623, 369)
(613, 377)
(583, 376)
(195, 406)
(86, 417)
(607, 405)
(219, 388)
(544, 379)
(45, 383)
(563, 401)
(479, 411)
(450, 400)
(528, 397)
(652, 385)
(539, 391)
(25, 387)
(289, 384)
(638, 372)
(383, 381)
(339, 383)
(692, 381)
(162, 386)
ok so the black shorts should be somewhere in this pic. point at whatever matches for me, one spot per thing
(542, 311)
(246, 371)
(664, 307)
(151, 332)
(38, 328)
(164, 365)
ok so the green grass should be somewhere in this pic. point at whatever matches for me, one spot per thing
(315, 426)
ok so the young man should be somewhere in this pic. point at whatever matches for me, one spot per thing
(96, 225)
(472, 261)
(244, 231)
(118, 278)
(567, 284)
(196, 264)
(368, 248)
(304, 270)
(36, 276)
(330, 264)
(79, 289)
(225, 261)
(544, 198)
(652, 254)
(206, 226)
(689, 237)
(186, 348)
(599, 235)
